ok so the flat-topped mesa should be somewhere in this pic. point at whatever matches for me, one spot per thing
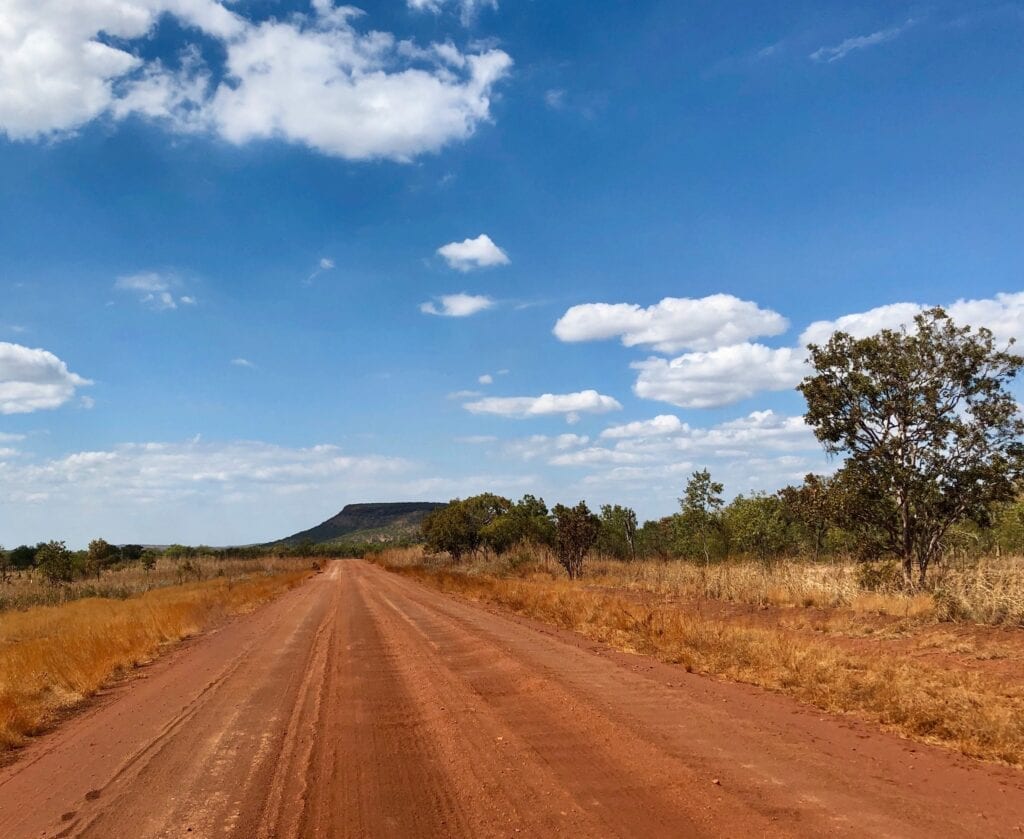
(370, 522)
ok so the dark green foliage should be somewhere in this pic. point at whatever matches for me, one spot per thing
(929, 429)
(23, 556)
(655, 539)
(458, 528)
(812, 506)
(131, 553)
(576, 530)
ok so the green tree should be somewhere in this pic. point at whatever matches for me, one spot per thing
(812, 506)
(23, 556)
(930, 432)
(576, 530)
(655, 538)
(617, 536)
(701, 505)
(55, 562)
(100, 554)
(757, 525)
(5, 564)
(459, 527)
(131, 553)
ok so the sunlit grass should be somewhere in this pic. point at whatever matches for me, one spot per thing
(54, 657)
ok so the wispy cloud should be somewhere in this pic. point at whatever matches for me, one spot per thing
(243, 362)
(325, 264)
(155, 290)
(860, 42)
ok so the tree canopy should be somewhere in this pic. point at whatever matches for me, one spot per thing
(930, 432)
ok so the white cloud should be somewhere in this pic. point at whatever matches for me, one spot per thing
(548, 404)
(599, 455)
(311, 79)
(543, 446)
(243, 362)
(555, 99)
(719, 377)
(469, 254)
(458, 305)
(325, 264)
(840, 51)
(486, 379)
(659, 426)
(154, 290)
(674, 324)
(1003, 314)
(467, 8)
(34, 380)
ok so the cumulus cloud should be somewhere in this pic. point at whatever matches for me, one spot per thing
(457, 305)
(1003, 314)
(34, 380)
(659, 426)
(674, 324)
(571, 405)
(243, 362)
(719, 377)
(470, 254)
(860, 42)
(486, 379)
(312, 79)
(154, 290)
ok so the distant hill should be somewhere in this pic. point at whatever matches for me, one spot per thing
(382, 522)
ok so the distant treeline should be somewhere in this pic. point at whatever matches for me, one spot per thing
(58, 564)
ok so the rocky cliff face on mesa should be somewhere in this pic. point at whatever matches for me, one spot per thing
(380, 522)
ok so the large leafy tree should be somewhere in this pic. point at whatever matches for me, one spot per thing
(930, 432)
(459, 528)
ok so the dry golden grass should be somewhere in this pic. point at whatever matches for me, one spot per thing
(979, 715)
(987, 592)
(24, 589)
(54, 657)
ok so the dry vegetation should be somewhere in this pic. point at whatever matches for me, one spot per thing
(24, 589)
(54, 657)
(793, 632)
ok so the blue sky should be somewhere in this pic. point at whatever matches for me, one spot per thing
(227, 306)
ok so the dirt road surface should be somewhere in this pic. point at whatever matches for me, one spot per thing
(363, 705)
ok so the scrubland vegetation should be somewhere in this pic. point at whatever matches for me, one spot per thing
(807, 630)
(54, 657)
(837, 591)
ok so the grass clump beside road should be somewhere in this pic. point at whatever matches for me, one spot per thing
(958, 708)
(54, 657)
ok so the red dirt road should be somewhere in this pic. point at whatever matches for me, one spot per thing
(363, 705)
